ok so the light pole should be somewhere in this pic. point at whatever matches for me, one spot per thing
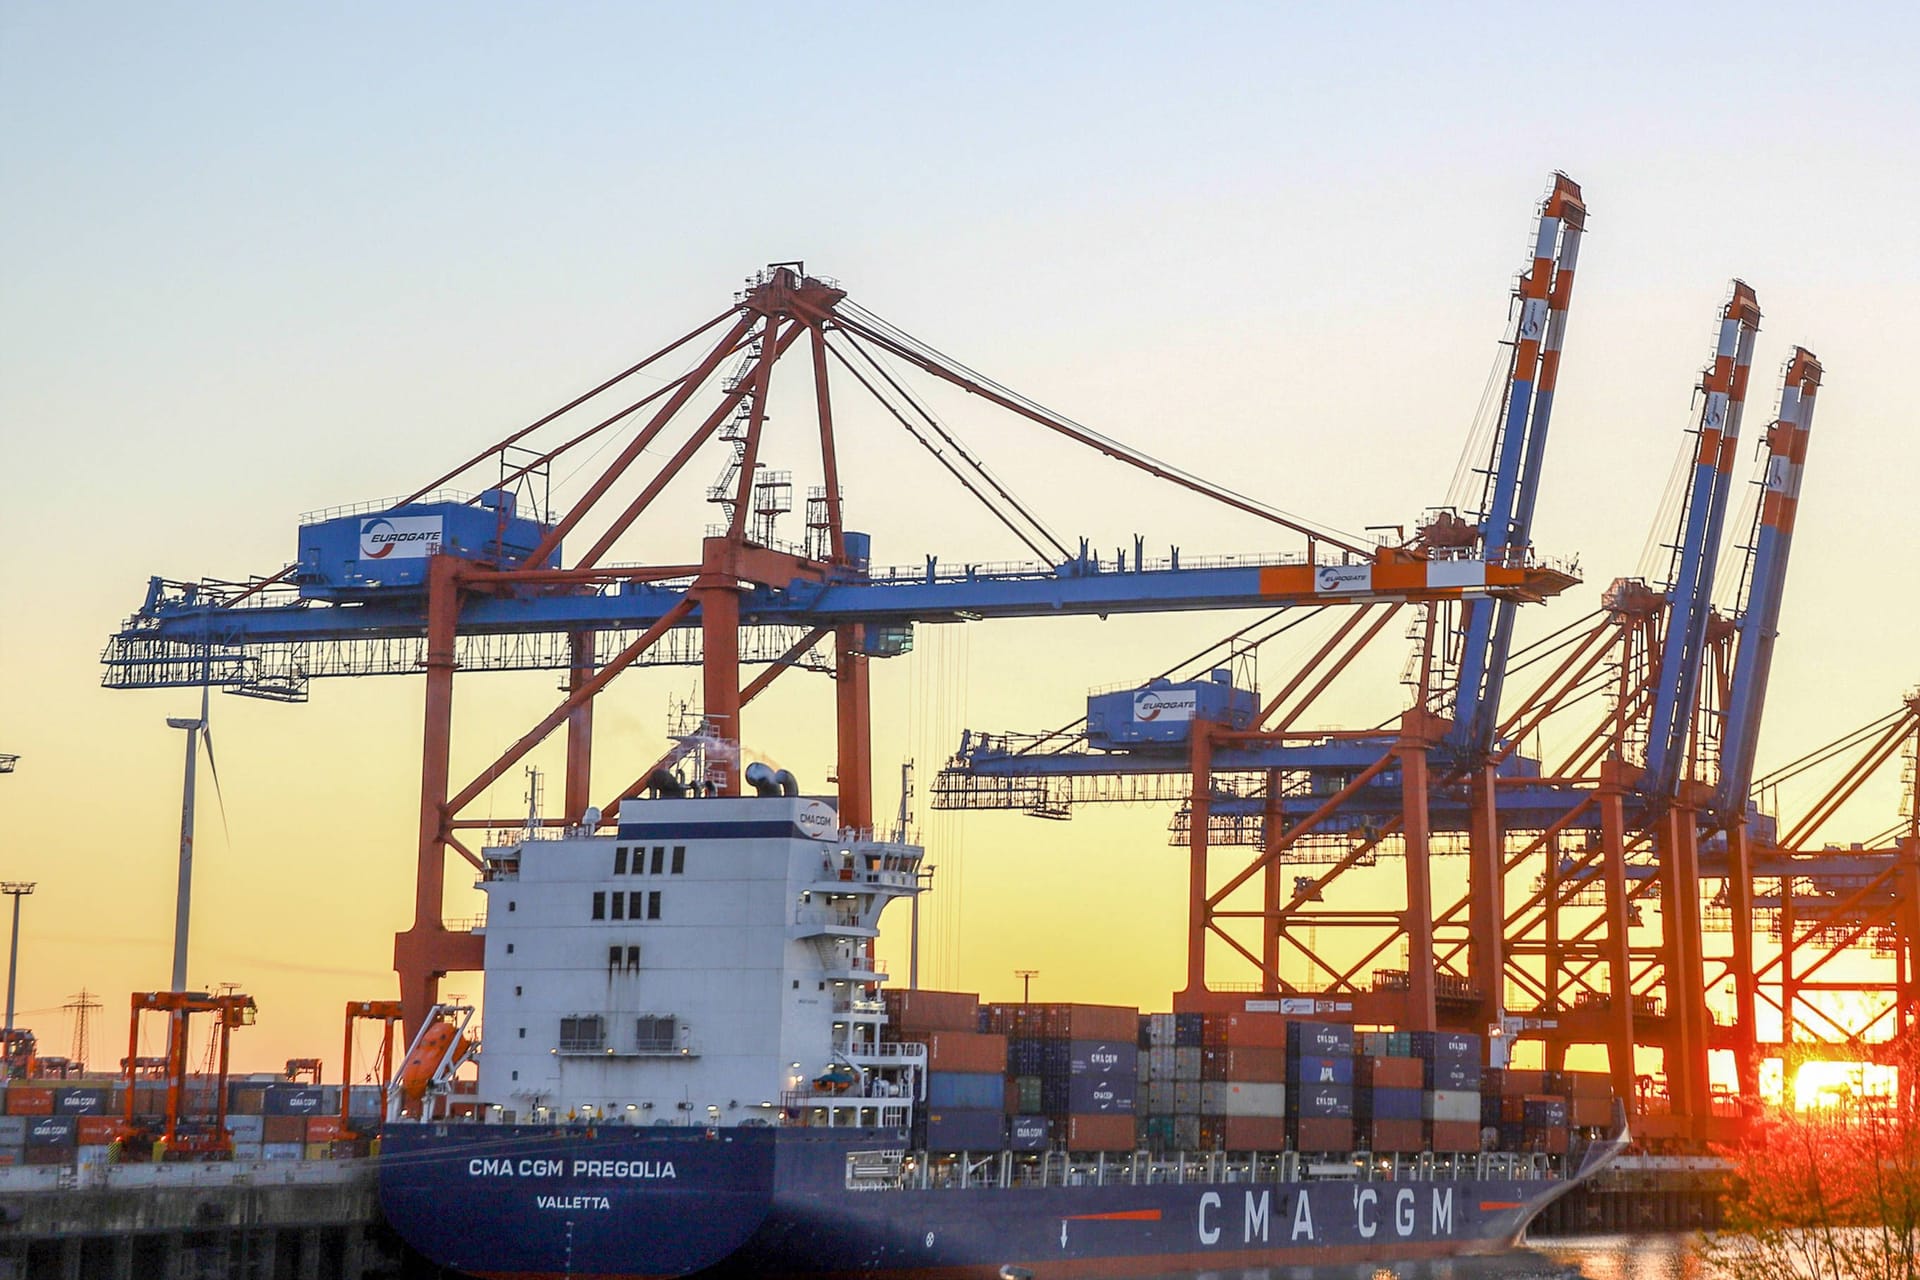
(15, 889)
(1026, 977)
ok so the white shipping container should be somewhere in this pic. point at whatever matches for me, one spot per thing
(1451, 1104)
(246, 1128)
(1186, 1063)
(1242, 1098)
(13, 1131)
(1160, 1099)
(1160, 1029)
(246, 1150)
(283, 1151)
(1160, 1062)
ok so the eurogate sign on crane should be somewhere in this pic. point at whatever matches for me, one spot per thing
(497, 595)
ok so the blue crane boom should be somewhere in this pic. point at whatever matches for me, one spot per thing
(1697, 549)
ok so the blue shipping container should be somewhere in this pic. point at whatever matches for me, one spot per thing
(1314, 1070)
(1321, 1102)
(80, 1101)
(1391, 1104)
(53, 1131)
(301, 1100)
(966, 1090)
(1100, 1095)
(1445, 1044)
(1453, 1074)
(961, 1130)
(1030, 1133)
(1102, 1058)
(1319, 1039)
(1189, 1030)
(1026, 1057)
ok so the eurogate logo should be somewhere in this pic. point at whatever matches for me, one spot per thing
(1171, 704)
(405, 537)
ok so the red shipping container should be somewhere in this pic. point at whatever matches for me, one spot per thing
(49, 1155)
(283, 1129)
(1588, 1084)
(324, 1129)
(1253, 1066)
(98, 1131)
(1551, 1141)
(924, 1010)
(966, 1051)
(1091, 1022)
(1591, 1113)
(1453, 1136)
(1315, 1133)
(1254, 1031)
(1395, 1135)
(1518, 1083)
(1254, 1133)
(1097, 1133)
(1391, 1073)
(24, 1101)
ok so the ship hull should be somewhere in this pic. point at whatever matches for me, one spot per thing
(499, 1201)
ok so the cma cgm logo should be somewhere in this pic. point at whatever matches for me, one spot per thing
(406, 536)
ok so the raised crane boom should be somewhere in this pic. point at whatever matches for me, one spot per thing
(1760, 619)
(1697, 549)
(1506, 519)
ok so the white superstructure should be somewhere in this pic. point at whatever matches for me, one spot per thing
(706, 965)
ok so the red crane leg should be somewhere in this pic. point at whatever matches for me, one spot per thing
(1687, 1081)
(1415, 737)
(1486, 897)
(719, 604)
(1272, 884)
(1198, 909)
(1614, 780)
(853, 706)
(1746, 985)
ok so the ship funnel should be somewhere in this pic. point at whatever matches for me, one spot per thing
(664, 784)
(788, 784)
(761, 777)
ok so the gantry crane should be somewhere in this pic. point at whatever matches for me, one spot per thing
(443, 583)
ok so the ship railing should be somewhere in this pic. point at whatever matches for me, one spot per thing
(1143, 1168)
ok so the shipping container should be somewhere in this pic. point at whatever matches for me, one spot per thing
(1515, 1084)
(1029, 1133)
(965, 1051)
(301, 1100)
(1097, 1133)
(53, 1131)
(1229, 1063)
(925, 1011)
(1186, 1132)
(1587, 1084)
(283, 1151)
(29, 1100)
(13, 1131)
(248, 1149)
(77, 1100)
(1394, 1135)
(1390, 1073)
(1157, 1030)
(366, 1102)
(98, 1131)
(1253, 1133)
(1189, 1030)
(1186, 1062)
(1089, 1022)
(1448, 1106)
(251, 1128)
(1328, 1134)
(1186, 1097)
(1101, 1058)
(1590, 1113)
(1446, 1044)
(1390, 1104)
(1319, 1039)
(1387, 1044)
(324, 1129)
(1317, 1070)
(246, 1099)
(1242, 1098)
(1453, 1136)
(1026, 1091)
(965, 1091)
(278, 1131)
(1536, 1111)
(60, 1154)
(1452, 1073)
(959, 1129)
(1026, 1056)
(1253, 1031)
(1321, 1101)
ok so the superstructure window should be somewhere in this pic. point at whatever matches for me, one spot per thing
(659, 857)
(635, 901)
(613, 958)
(633, 957)
(586, 1033)
(679, 859)
(656, 1033)
(600, 906)
(653, 905)
(620, 860)
(619, 906)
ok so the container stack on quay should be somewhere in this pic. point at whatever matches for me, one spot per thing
(82, 1124)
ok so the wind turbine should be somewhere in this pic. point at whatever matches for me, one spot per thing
(198, 732)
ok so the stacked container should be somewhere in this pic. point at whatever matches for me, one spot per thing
(1077, 1066)
(1452, 1068)
(966, 1069)
(1389, 1099)
(1171, 1050)
(1320, 1086)
(1243, 1082)
(1589, 1098)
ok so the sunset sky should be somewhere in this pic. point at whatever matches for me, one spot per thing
(264, 260)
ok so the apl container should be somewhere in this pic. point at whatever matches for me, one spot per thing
(1314, 1070)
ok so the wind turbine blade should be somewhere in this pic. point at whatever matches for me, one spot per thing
(206, 740)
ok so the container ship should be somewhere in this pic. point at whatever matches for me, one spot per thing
(692, 1065)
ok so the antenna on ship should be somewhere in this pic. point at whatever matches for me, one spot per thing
(535, 790)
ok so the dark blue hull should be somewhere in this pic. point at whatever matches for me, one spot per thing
(504, 1201)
